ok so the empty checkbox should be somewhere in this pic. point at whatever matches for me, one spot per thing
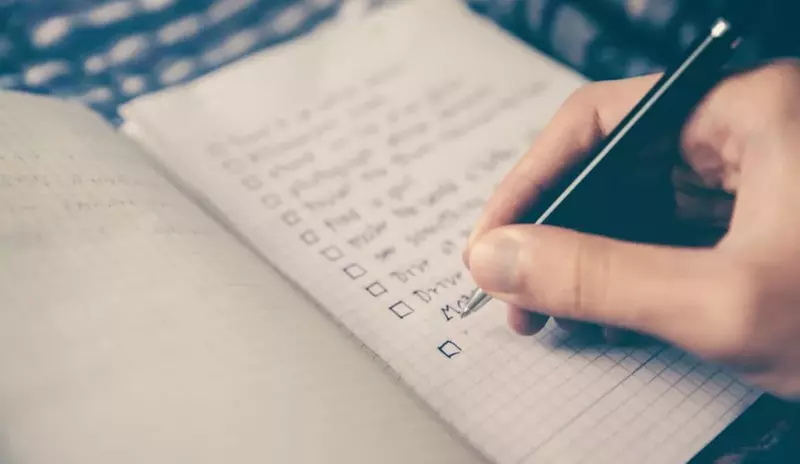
(401, 309)
(376, 289)
(309, 237)
(216, 150)
(271, 200)
(233, 166)
(354, 271)
(332, 253)
(449, 349)
(290, 217)
(252, 183)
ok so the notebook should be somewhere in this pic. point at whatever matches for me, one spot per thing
(156, 277)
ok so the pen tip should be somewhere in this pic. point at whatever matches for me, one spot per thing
(478, 299)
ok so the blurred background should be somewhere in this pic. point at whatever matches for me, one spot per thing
(105, 52)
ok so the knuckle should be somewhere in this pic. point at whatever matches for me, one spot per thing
(590, 275)
(767, 90)
(746, 111)
(581, 100)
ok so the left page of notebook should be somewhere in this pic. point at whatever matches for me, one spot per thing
(135, 329)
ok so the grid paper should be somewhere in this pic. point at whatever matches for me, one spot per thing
(356, 160)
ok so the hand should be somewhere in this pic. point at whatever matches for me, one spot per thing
(735, 300)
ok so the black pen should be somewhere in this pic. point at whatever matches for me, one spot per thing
(662, 110)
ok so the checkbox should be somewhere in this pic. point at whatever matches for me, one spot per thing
(376, 289)
(309, 237)
(216, 150)
(401, 309)
(252, 182)
(271, 200)
(354, 271)
(233, 166)
(332, 253)
(449, 349)
(290, 217)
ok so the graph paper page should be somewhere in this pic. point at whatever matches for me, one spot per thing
(357, 160)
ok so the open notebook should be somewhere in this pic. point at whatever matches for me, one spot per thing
(143, 322)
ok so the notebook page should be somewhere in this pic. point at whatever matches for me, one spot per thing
(133, 329)
(356, 160)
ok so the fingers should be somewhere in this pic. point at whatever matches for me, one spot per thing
(525, 322)
(581, 122)
(586, 278)
(741, 112)
(695, 202)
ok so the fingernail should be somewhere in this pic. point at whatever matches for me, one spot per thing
(493, 262)
(468, 248)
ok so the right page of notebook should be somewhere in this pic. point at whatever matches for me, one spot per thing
(356, 160)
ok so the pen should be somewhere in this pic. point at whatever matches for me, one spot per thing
(662, 110)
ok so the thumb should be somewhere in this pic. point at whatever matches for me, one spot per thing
(565, 274)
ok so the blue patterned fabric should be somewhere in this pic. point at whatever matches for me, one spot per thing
(611, 39)
(105, 52)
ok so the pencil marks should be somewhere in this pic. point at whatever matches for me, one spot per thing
(380, 183)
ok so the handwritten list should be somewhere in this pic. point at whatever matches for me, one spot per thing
(356, 168)
(357, 161)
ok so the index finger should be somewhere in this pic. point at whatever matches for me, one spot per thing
(586, 117)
